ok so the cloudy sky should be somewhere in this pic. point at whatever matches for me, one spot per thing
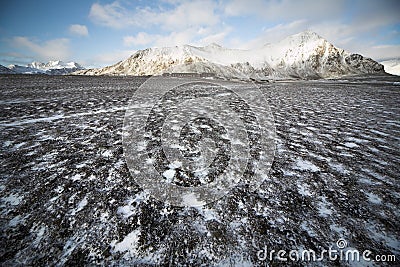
(100, 33)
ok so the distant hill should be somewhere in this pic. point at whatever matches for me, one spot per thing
(52, 68)
(5, 70)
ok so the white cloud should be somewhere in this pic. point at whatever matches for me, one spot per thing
(218, 37)
(140, 39)
(283, 9)
(8, 58)
(193, 36)
(56, 49)
(358, 38)
(158, 40)
(189, 14)
(175, 38)
(77, 29)
(112, 15)
(274, 34)
(106, 59)
(181, 16)
(380, 52)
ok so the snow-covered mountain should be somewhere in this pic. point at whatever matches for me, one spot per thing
(52, 67)
(304, 55)
(392, 66)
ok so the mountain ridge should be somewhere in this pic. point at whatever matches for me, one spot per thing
(56, 67)
(5, 70)
(305, 55)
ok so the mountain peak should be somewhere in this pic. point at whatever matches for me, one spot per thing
(309, 33)
(51, 67)
(52, 63)
(306, 35)
(214, 45)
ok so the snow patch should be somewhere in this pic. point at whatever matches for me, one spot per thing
(130, 243)
(305, 165)
(169, 174)
(350, 145)
(192, 200)
(80, 206)
(12, 199)
(373, 198)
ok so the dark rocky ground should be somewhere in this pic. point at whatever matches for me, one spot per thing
(67, 197)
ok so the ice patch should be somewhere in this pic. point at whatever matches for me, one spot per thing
(68, 248)
(338, 167)
(303, 189)
(7, 143)
(378, 234)
(191, 200)
(373, 198)
(304, 225)
(209, 214)
(305, 165)
(39, 235)
(169, 174)
(174, 165)
(373, 149)
(107, 153)
(366, 181)
(126, 211)
(141, 146)
(61, 116)
(338, 229)
(288, 173)
(149, 161)
(76, 177)
(323, 208)
(350, 145)
(17, 146)
(129, 209)
(79, 166)
(379, 132)
(12, 199)
(129, 243)
(356, 140)
(15, 221)
(201, 174)
(80, 206)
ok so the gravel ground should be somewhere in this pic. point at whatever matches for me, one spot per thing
(67, 197)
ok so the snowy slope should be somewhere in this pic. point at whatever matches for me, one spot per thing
(304, 55)
(52, 67)
(24, 69)
(55, 65)
(5, 70)
(392, 66)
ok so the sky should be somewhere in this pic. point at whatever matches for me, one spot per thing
(101, 33)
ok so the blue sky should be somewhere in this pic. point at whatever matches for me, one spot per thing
(100, 33)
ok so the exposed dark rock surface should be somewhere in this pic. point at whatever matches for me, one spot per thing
(67, 197)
